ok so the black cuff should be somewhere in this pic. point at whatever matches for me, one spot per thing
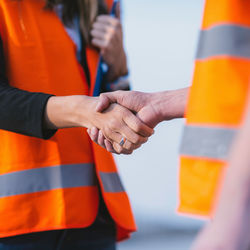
(43, 132)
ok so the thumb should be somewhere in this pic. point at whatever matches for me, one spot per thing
(104, 101)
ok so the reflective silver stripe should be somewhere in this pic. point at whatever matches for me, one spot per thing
(111, 182)
(209, 142)
(48, 178)
(231, 40)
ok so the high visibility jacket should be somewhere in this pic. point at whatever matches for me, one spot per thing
(216, 102)
(53, 184)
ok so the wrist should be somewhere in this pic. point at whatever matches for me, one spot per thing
(69, 111)
(170, 104)
(83, 110)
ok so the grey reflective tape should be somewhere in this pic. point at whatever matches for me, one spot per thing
(47, 178)
(209, 142)
(231, 40)
(111, 182)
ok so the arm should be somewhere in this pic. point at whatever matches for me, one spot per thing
(115, 122)
(21, 111)
(153, 108)
(39, 114)
(231, 225)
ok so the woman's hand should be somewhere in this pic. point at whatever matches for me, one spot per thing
(117, 123)
(108, 37)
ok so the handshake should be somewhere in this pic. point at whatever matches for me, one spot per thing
(131, 117)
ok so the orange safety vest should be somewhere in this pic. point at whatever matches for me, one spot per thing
(52, 184)
(216, 102)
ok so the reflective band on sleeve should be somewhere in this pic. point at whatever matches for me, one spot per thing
(209, 142)
(231, 40)
(47, 178)
(111, 182)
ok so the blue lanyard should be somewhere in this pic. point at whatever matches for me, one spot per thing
(112, 12)
(102, 67)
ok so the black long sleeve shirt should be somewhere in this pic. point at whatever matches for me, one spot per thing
(21, 111)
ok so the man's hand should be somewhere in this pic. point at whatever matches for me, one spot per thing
(139, 103)
(143, 104)
(151, 108)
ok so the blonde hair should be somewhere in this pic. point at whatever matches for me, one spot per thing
(86, 10)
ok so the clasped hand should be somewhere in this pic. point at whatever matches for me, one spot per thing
(132, 117)
(117, 123)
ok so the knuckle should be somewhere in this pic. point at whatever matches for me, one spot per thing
(124, 113)
(117, 149)
(106, 132)
(138, 127)
(129, 146)
(102, 96)
(100, 142)
(112, 123)
(137, 140)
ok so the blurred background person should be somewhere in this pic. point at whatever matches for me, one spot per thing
(52, 191)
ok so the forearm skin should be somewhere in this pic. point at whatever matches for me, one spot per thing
(170, 104)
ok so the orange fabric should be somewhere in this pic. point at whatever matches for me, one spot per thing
(41, 57)
(217, 99)
(33, 214)
(113, 200)
(226, 11)
(198, 175)
(212, 93)
(109, 4)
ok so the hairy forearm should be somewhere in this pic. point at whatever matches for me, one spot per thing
(68, 112)
(170, 104)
